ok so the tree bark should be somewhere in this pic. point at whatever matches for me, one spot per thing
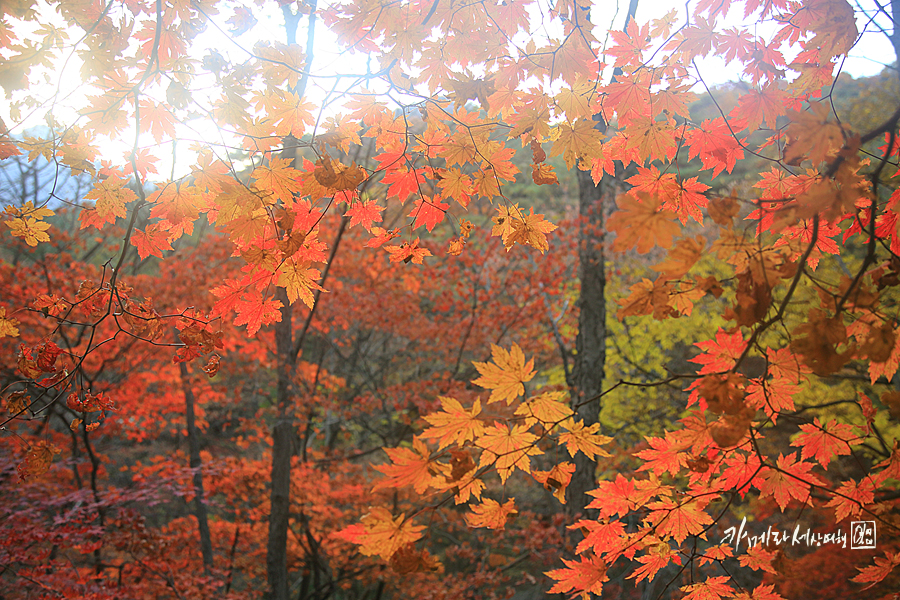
(282, 450)
(590, 359)
(197, 466)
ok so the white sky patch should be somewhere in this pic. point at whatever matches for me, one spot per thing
(336, 72)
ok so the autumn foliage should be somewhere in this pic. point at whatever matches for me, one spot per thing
(272, 329)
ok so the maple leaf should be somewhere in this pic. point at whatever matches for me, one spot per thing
(721, 354)
(279, 178)
(546, 409)
(640, 222)
(665, 455)
(772, 396)
(503, 221)
(681, 257)
(364, 213)
(713, 588)
(337, 176)
(584, 577)
(529, 230)
(254, 311)
(876, 573)
(600, 536)
(653, 139)
(543, 174)
(812, 135)
(299, 281)
(658, 558)
(110, 196)
(575, 141)
(38, 458)
(8, 326)
(290, 114)
(824, 442)
(791, 479)
(556, 480)
(615, 497)
(584, 439)
(151, 242)
(408, 252)
(492, 514)
(507, 375)
(648, 297)
(409, 467)
(381, 236)
(508, 448)
(757, 558)
(428, 212)
(760, 592)
(851, 497)
(454, 424)
(679, 519)
(382, 535)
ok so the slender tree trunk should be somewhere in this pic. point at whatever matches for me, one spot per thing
(590, 359)
(282, 450)
(197, 466)
(283, 431)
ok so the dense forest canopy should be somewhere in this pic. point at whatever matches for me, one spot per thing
(443, 299)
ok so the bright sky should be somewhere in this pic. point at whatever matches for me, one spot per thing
(865, 60)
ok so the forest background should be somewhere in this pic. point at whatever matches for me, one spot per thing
(547, 317)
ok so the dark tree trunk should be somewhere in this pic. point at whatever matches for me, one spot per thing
(591, 342)
(197, 466)
(590, 360)
(282, 450)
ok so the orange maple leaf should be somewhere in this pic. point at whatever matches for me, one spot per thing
(151, 242)
(791, 479)
(408, 252)
(679, 519)
(584, 577)
(492, 514)
(409, 467)
(824, 442)
(364, 213)
(713, 588)
(881, 569)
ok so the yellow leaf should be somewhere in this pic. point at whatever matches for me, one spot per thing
(508, 449)
(507, 375)
(556, 480)
(31, 230)
(545, 408)
(577, 140)
(299, 281)
(530, 231)
(585, 439)
(383, 535)
(492, 514)
(454, 424)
